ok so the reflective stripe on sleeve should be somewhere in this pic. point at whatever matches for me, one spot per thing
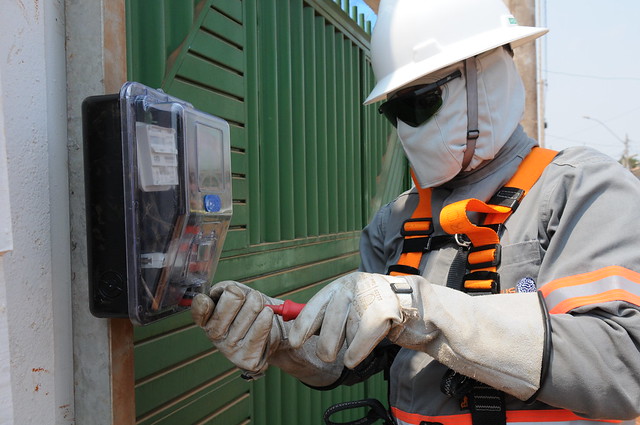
(514, 417)
(612, 283)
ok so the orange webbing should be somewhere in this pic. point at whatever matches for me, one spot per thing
(482, 256)
(527, 175)
(531, 168)
(423, 210)
(454, 218)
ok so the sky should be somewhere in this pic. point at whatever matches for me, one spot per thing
(590, 67)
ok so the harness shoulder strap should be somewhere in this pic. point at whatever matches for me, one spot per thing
(416, 231)
(518, 186)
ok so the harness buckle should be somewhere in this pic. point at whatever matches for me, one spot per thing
(412, 227)
(495, 262)
(426, 243)
(416, 244)
(482, 281)
(401, 269)
(496, 227)
(473, 134)
(507, 197)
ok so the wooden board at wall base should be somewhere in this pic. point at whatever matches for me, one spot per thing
(122, 372)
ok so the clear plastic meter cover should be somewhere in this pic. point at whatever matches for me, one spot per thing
(178, 199)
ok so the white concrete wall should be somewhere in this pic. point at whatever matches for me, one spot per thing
(6, 244)
(92, 360)
(6, 236)
(35, 295)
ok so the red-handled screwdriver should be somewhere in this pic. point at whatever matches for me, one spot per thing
(289, 310)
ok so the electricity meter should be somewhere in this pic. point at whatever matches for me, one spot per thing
(158, 201)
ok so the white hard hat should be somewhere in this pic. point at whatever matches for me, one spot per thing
(413, 38)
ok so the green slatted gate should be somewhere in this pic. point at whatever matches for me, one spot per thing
(310, 165)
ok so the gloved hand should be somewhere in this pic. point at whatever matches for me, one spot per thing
(236, 321)
(359, 308)
(496, 339)
(251, 336)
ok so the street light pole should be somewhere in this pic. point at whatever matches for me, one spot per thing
(625, 155)
(627, 162)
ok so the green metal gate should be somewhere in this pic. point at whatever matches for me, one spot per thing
(310, 165)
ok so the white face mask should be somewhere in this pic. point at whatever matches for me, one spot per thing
(436, 148)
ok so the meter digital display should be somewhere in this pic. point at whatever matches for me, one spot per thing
(158, 199)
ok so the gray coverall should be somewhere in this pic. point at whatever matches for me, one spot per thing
(577, 236)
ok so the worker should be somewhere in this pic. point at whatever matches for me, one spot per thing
(504, 287)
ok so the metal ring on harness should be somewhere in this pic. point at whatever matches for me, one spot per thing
(376, 412)
(462, 239)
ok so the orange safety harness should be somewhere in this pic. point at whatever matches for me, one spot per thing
(483, 240)
(475, 269)
(480, 246)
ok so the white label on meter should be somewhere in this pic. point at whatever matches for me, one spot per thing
(157, 157)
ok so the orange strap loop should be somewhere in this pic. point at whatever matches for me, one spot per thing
(478, 285)
(416, 226)
(454, 220)
(482, 256)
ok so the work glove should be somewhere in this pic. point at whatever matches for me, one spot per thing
(496, 339)
(237, 321)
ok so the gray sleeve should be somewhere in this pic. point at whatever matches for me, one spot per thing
(381, 241)
(590, 240)
(372, 243)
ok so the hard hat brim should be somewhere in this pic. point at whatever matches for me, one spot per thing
(516, 36)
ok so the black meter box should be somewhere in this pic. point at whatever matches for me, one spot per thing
(158, 201)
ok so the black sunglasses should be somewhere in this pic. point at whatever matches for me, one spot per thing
(416, 106)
